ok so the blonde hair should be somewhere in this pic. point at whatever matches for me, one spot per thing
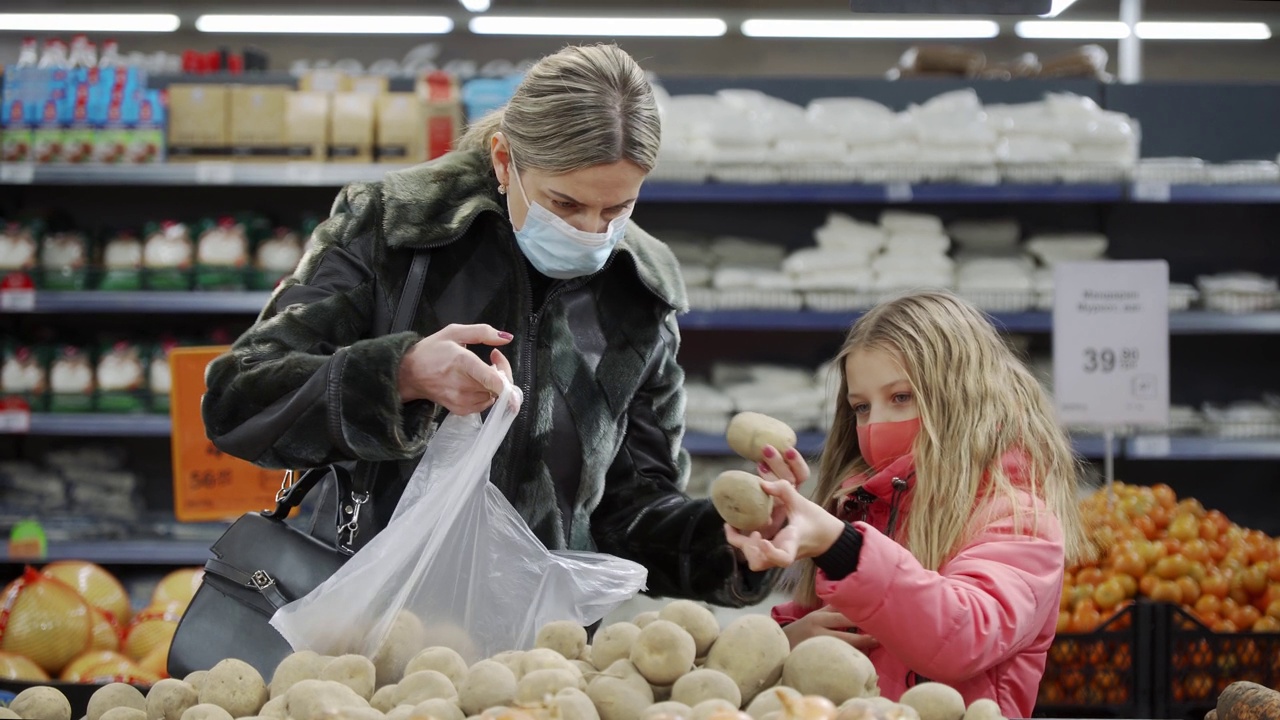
(581, 107)
(977, 401)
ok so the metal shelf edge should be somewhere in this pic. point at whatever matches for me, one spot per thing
(122, 552)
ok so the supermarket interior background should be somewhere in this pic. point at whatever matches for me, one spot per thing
(164, 162)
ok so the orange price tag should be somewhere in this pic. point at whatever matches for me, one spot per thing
(208, 484)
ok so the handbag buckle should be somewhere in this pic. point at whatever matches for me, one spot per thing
(285, 486)
(348, 530)
(261, 580)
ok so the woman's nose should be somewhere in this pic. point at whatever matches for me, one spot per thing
(591, 222)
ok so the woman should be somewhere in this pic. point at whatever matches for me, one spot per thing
(532, 259)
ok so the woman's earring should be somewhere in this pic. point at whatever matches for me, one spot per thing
(502, 189)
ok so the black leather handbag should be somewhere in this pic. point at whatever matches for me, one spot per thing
(261, 563)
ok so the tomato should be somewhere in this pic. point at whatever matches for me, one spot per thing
(1208, 530)
(1267, 624)
(1190, 590)
(1192, 506)
(1171, 568)
(1255, 578)
(1086, 618)
(1273, 572)
(1246, 616)
(1273, 609)
(1226, 626)
(1160, 516)
(1109, 594)
(1129, 584)
(1185, 528)
(1196, 550)
(1147, 526)
(1217, 550)
(1089, 576)
(1064, 621)
(1216, 584)
(1147, 584)
(1166, 591)
(1151, 552)
(1219, 520)
(1196, 571)
(1164, 495)
(1206, 604)
(1131, 563)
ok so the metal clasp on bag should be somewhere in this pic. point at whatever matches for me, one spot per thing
(285, 486)
(348, 531)
(261, 580)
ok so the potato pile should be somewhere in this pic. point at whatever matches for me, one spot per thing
(675, 664)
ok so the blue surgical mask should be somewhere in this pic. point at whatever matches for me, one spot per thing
(559, 250)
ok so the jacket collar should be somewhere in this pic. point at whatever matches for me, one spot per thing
(434, 204)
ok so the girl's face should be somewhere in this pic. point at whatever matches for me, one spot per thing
(879, 390)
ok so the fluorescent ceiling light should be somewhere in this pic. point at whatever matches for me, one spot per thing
(767, 28)
(599, 26)
(88, 22)
(1068, 30)
(320, 24)
(475, 6)
(1058, 7)
(1203, 31)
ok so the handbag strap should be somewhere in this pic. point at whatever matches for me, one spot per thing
(293, 492)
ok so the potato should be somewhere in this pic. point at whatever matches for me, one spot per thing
(124, 713)
(539, 685)
(443, 660)
(169, 698)
(311, 699)
(613, 643)
(984, 709)
(661, 693)
(7, 714)
(404, 641)
(667, 710)
(572, 704)
(702, 685)
(644, 618)
(489, 684)
(438, 709)
(770, 701)
(565, 637)
(543, 659)
(41, 703)
(422, 686)
(831, 668)
(305, 665)
(935, 701)
(354, 671)
(741, 500)
(620, 692)
(448, 635)
(384, 698)
(750, 432)
(276, 708)
(513, 659)
(206, 711)
(698, 621)
(586, 669)
(708, 708)
(113, 696)
(663, 652)
(196, 679)
(235, 686)
(349, 713)
(751, 651)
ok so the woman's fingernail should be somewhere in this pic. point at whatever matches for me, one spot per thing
(768, 452)
(792, 454)
(505, 335)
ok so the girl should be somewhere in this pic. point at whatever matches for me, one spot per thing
(947, 509)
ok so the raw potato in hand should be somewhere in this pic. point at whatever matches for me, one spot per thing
(115, 695)
(169, 698)
(750, 432)
(443, 660)
(663, 652)
(935, 701)
(751, 651)
(831, 668)
(206, 712)
(41, 703)
(354, 671)
(702, 685)
(423, 686)
(489, 684)
(984, 709)
(613, 643)
(741, 500)
(565, 637)
(234, 686)
(698, 621)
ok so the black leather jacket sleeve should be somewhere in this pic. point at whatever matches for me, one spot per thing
(306, 386)
(645, 515)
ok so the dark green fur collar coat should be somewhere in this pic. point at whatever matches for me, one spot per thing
(594, 462)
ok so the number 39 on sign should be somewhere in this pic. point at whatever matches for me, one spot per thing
(1106, 360)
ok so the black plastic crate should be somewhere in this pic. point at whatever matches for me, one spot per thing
(77, 694)
(1195, 664)
(1103, 674)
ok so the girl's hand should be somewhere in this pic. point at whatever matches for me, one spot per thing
(827, 622)
(789, 466)
(809, 531)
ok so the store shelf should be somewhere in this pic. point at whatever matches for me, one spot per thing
(1202, 448)
(217, 172)
(892, 193)
(810, 444)
(1204, 194)
(123, 552)
(145, 303)
(95, 425)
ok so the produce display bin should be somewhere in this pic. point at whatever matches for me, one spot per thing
(78, 694)
(1195, 664)
(1103, 674)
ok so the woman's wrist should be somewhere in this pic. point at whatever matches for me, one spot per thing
(828, 531)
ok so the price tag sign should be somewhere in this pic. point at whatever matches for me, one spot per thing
(898, 192)
(208, 484)
(15, 416)
(17, 293)
(304, 173)
(1111, 343)
(1152, 192)
(214, 173)
(17, 173)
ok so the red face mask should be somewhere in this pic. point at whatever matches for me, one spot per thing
(884, 442)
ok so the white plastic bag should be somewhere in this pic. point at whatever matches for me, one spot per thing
(456, 566)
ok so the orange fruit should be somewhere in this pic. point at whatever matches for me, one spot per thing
(1164, 495)
(1246, 616)
(49, 623)
(1206, 604)
(1167, 591)
(1190, 590)
(1215, 583)
(97, 586)
(1064, 621)
(1086, 618)
(1267, 624)
(1109, 594)
(1089, 576)
(1147, 584)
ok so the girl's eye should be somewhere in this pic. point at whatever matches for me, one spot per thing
(861, 409)
(902, 398)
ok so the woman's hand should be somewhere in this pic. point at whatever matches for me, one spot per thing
(789, 466)
(809, 531)
(441, 369)
(827, 622)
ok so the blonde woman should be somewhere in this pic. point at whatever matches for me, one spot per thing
(946, 509)
(536, 273)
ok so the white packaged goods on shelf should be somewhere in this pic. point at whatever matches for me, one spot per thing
(810, 172)
(674, 170)
(1182, 297)
(696, 275)
(1242, 292)
(994, 234)
(993, 300)
(783, 377)
(922, 243)
(841, 232)
(1171, 171)
(901, 221)
(1030, 173)
(837, 301)
(730, 278)
(1183, 420)
(745, 251)
(908, 262)
(858, 281)
(756, 174)
(757, 300)
(815, 260)
(1258, 172)
(1247, 419)
(1067, 247)
(703, 298)
(1092, 172)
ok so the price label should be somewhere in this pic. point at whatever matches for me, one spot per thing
(17, 173)
(1152, 446)
(304, 173)
(208, 484)
(898, 192)
(1153, 192)
(15, 416)
(214, 173)
(1111, 343)
(17, 293)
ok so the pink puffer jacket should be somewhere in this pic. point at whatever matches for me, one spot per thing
(982, 624)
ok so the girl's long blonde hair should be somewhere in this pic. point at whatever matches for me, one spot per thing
(977, 402)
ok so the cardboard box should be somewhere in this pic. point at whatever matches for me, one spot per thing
(442, 112)
(198, 122)
(257, 122)
(327, 81)
(351, 128)
(306, 125)
(399, 135)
